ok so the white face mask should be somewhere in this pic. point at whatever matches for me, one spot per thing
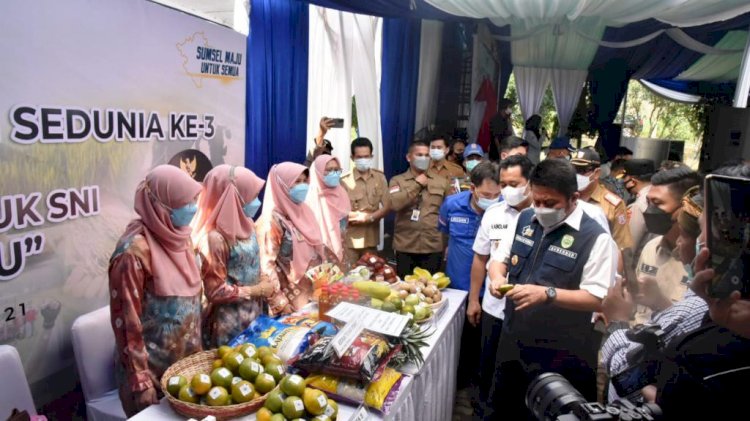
(422, 162)
(583, 181)
(549, 217)
(363, 164)
(515, 195)
(606, 171)
(437, 154)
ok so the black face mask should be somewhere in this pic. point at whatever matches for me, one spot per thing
(657, 221)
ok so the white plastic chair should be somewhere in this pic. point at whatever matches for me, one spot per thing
(94, 347)
(14, 388)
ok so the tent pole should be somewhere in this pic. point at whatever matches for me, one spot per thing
(743, 81)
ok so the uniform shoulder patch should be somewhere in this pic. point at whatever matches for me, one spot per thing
(612, 198)
(394, 189)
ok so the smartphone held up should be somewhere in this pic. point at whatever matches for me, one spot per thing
(728, 239)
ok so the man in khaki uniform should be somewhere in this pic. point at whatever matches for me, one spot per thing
(368, 195)
(416, 196)
(637, 178)
(662, 279)
(441, 166)
(587, 164)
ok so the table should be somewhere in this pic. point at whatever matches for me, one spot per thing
(427, 394)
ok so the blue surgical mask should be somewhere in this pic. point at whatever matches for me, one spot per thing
(298, 193)
(251, 208)
(486, 203)
(332, 179)
(471, 164)
(689, 270)
(181, 217)
(690, 267)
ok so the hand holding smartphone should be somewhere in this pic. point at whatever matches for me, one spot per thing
(727, 213)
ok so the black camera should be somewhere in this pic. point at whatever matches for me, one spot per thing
(642, 361)
(550, 397)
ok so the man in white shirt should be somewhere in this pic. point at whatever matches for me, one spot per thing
(560, 263)
(498, 220)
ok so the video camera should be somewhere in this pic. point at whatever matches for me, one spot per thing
(550, 397)
(642, 361)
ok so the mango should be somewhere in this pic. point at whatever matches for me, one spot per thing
(373, 289)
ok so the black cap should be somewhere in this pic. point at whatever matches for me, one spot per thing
(639, 168)
(586, 157)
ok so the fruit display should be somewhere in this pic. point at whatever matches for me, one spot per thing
(239, 375)
(333, 294)
(423, 276)
(378, 267)
(322, 275)
(412, 340)
(373, 289)
(294, 400)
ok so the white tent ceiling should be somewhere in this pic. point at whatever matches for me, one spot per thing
(231, 13)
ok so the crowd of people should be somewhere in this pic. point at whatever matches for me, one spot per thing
(560, 257)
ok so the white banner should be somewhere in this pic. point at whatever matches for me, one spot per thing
(94, 93)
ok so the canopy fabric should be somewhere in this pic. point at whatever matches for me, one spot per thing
(344, 62)
(567, 86)
(669, 94)
(719, 68)
(531, 84)
(557, 46)
(613, 13)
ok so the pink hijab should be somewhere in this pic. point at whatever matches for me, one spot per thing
(329, 204)
(306, 236)
(173, 265)
(226, 189)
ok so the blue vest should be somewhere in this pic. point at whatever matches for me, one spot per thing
(552, 260)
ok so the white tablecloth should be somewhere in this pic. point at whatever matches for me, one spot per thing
(426, 395)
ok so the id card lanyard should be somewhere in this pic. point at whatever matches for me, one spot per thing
(415, 211)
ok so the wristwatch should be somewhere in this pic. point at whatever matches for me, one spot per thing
(551, 294)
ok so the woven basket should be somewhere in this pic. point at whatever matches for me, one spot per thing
(202, 362)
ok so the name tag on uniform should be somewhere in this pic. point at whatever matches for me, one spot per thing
(525, 240)
(459, 219)
(648, 269)
(561, 251)
(415, 215)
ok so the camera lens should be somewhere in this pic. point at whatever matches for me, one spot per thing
(551, 395)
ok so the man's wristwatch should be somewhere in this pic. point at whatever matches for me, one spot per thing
(551, 294)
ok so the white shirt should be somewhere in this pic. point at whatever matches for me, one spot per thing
(498, 220)
(598, 271)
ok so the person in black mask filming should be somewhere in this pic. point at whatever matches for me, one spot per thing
(706, 372)
(560, 263)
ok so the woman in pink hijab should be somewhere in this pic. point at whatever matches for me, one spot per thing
(155, 287)
(290, 238)
(329, 203)
(232, 280)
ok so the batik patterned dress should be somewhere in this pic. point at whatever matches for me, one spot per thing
(151, 332)
(224, 271)
(294, 289)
